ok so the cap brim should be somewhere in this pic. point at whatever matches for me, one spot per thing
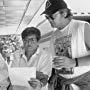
(48, 12)
(44, 12)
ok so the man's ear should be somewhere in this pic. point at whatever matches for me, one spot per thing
(65, 14)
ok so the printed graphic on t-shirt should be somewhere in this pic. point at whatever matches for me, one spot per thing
(62, 46)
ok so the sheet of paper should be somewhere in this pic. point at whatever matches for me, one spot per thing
(20, 76)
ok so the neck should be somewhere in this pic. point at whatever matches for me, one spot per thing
(65, 23)
(30, 53)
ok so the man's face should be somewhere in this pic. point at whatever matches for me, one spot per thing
(30, 43)
(56, 19)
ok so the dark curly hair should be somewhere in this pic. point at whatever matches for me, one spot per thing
(29, 31)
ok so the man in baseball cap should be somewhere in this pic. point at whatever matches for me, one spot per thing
(54, 5)
(71, 46)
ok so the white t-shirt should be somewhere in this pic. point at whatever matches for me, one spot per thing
(70, 42)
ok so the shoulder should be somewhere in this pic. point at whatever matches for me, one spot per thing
(78, 25)
(18, 53)
(1, 59)
(86, 30)
(44, 52)
(78, 22)
(83, 24)
(45, 58)
(87, 34)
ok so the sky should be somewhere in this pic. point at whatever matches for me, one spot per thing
(75, 5)
(79, 5)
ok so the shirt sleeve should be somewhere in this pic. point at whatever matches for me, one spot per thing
(3, 68)
(45, 63)
(3, 72)
(16, 58)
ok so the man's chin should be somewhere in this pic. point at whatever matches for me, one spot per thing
(30, 48)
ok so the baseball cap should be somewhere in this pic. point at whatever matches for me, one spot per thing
(53, 6)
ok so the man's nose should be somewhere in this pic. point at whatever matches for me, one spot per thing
(29, 42)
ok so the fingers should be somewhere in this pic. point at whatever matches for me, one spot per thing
(34, 82)
(59, 66)
(62, 61)
(58, 62)
(58, 58)
(33, 79)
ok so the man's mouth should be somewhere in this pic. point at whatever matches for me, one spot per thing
(29, 46)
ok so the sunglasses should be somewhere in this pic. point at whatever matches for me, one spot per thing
(49, 17)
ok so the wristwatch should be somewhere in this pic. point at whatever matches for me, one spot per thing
(76, 60)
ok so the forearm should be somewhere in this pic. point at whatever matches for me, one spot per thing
(84, 61)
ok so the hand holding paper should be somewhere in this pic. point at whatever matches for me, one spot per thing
(35, 83)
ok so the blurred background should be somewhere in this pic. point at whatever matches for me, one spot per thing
(15, 15)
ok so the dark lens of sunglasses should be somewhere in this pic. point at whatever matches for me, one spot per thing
(49, 17)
